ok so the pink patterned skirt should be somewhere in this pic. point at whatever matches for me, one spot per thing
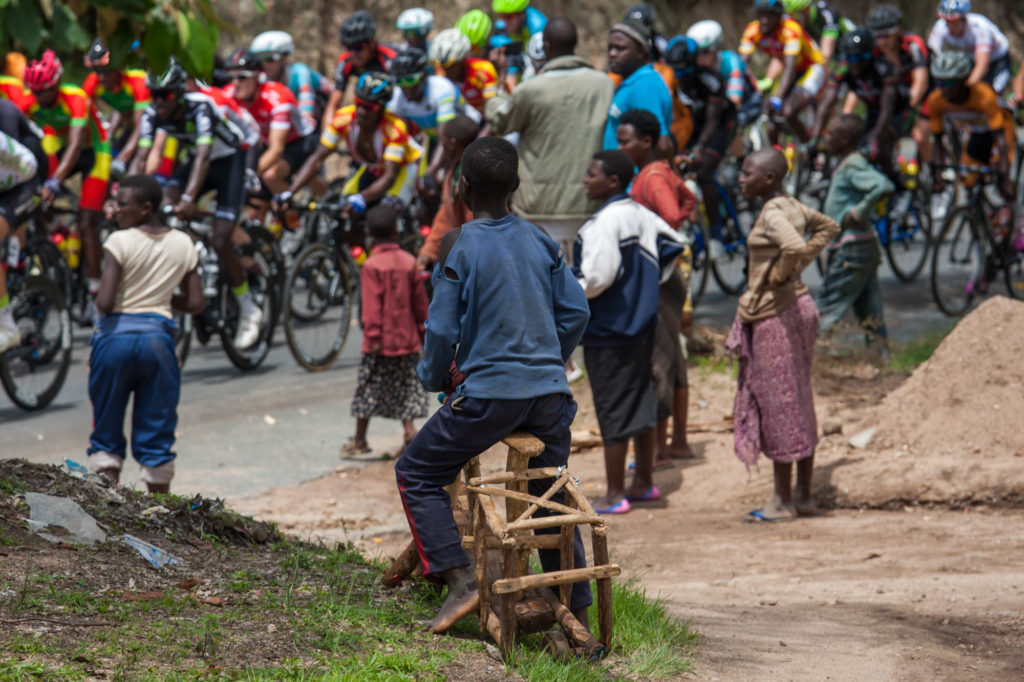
(774, 407)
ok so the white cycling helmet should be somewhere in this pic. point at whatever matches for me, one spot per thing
(416, 20)
(448, 47)
(707, 34)
(276, 42)
(535, 47)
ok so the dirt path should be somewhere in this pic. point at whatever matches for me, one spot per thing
(918, 594)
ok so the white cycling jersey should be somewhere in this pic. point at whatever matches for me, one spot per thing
(981, 35)
(441, 102)
(17, 163)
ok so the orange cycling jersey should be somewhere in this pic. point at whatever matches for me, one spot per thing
(391, 140)
(131, 95)
(481, 82)
(788, 40)
(13, 89)
(980, 111)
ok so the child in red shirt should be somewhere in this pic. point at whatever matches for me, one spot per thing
(394, 308)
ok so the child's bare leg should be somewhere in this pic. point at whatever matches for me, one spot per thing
(662, 455)
(615, 474)
(803, 502)
(461, 601)
(410, 429)
(781, 505)
(680, 411)
(643, 477)
(362, 423)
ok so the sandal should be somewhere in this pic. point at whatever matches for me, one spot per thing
(651, 495)
(354, 447)
(620, 507)
(758, 516)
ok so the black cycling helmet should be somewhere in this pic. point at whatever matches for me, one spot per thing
(376, 87)
(857, 43)
(221, 76)
(97, 56)
(769, 6)
(681, 54)
(358, 28)
(409, 62)
(244, 59)
(885, 18)
(643, 13)
(174, 79)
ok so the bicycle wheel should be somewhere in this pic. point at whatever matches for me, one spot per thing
(183, 339)
(1013, 271)
(730, 266)
(318, 306)
(958, 262)
(264, 293)
(908, 235)
(43, 258)
(699, 240)
(265, 243)
(33, 372)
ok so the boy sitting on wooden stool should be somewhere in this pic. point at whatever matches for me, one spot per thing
(508, 312)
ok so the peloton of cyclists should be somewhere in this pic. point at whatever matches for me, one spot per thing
(274, 49)
(124, 91)
(362, 54)
(959, 29)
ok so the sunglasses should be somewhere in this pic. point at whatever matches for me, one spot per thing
(953, 20)
(242, 75)
(356, 47)
(367, 106)
(102, 70)
(855, 58)
(947, 83)
(886, 33)
(409, 81)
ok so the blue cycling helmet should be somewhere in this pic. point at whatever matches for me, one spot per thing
(769, 6)
(954, 9)
(375, 87)
(681, 55)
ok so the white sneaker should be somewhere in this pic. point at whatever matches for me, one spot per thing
(248, 332)
(10, 338)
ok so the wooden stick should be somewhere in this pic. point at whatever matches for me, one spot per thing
(579, 498)
(548, 494)
(599, 538)
(524, 442)
(524, 542)
(573, 628)
(534, 615)
(506, 476)
(482, 585)
(553, 521)
(493, 626)
(517, 462)
(402, 566)
(568, 561)
(510, 585)
(507, 608)
(516, 495)
(494, 522)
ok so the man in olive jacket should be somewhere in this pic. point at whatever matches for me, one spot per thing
(560, 115)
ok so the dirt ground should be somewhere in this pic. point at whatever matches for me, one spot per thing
(874, 588)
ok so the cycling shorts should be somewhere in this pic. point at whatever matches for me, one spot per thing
(298, 150)
(998, 74)
(812, 80)
(16, 203)
(225, 176)
(402, 188)
(94, 165)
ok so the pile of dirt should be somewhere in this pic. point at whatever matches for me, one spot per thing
(951, 433)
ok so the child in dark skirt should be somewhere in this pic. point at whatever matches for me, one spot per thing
(394, 308)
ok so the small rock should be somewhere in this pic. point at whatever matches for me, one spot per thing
(493, 652)
(781, 643)
(271, 629)
(269, 420)
(861, 440)
(831, 426)
(214, 601)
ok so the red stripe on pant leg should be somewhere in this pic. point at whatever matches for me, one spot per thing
(412, 527)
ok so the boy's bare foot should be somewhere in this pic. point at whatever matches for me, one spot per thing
(682, 451)
(804, 506)
(462, 600)
(773, 511)
(662, 460)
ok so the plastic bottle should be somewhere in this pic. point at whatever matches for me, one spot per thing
(911, 175)
(358, 255)
(1001, 223)
(790, 154)
(73, 249)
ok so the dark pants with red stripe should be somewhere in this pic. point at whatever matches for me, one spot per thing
(452, 437)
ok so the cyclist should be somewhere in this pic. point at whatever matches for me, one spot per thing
(362, 54)
(521, 20)
(475, 25)
(909, 54)
(13, 89)
(75, 132)
(426, 101)
(740, 88)
(415, 24)
(975, 106)
(822, 22)
(973, 34)
(797, 69)
(378, 141)
(125, 93)
(874, 82)
(22, 165)
(213, 160)
(288, 135)
(646, 15)
(475, 78)
(274, 49)
(714, 116)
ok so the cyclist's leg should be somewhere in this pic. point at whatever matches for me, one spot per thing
(94, 164)
(709, 162)
(802, 96)
(225, 177)
(998, 74)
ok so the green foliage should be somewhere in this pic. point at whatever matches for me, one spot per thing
(187, 30)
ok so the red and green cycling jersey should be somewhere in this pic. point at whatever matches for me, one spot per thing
(73, 109)
(132, 95)
(13, 89)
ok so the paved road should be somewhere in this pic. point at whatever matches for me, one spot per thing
(243, 433)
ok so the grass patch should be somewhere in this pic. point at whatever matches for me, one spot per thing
(907, 356)
(707, 365)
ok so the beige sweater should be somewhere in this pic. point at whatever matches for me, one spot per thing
(786, 237)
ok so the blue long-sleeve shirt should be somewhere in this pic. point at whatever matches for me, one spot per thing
(507, 309)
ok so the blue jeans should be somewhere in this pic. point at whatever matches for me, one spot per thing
(134, 355)
(452, 437)
(851, 280)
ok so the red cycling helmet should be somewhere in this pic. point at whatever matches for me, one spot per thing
(44, 73)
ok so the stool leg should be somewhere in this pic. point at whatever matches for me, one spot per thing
(599, 537)
(568, 562)
(508, 613)
(480, 550)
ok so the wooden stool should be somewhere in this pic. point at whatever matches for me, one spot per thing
(518, 600)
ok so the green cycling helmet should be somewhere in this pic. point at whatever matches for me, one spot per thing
(794, 6)
(509, 6)
(475, 25)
